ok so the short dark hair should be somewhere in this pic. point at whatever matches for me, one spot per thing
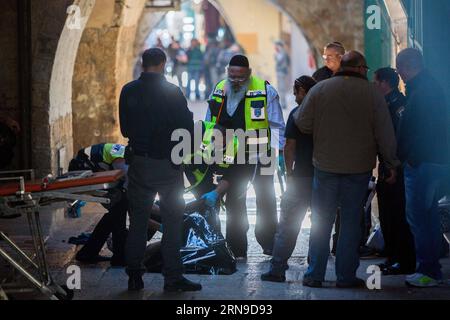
(153, 57)
(389, 75)
(304, 82)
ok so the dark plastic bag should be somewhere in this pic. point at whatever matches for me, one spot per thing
(204, 250)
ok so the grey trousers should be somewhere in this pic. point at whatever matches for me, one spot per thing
(147, 177)
(294, 204)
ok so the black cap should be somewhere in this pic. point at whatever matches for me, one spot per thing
(239, 61)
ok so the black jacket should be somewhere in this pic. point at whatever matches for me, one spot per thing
(396, 102)
(424, 132)
(323, 73)
(150, 110)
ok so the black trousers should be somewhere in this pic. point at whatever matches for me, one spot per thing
(266, 209)
(114, 221)
(398, 239)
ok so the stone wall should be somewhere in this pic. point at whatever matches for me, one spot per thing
(9, 100)
(323, 21)
(54, 45)
(104, 63)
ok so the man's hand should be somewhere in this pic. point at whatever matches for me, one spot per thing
(392, 177)
(211, 198)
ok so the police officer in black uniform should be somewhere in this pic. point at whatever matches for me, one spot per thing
(399, 242)
(151, 109)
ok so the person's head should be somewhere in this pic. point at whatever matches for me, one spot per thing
(81, 162)
(176, 45)
(332, 55)
(409, 63)
(386, 79)
(302, 86)
(195, 43)
(354, 61)
(279, 46)
(239, 71)
(154, 60)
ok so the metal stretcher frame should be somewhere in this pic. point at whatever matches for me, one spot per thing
(36, 270)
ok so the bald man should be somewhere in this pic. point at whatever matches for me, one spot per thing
(350, 124)
(424, 149)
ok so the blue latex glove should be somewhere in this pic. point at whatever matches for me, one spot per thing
(211, 198)
(281, 164)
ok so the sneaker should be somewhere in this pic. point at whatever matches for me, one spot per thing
(420, 280)
(357, 283)
(308, 282)
(268, 276)
(182, 285)
(135, 282)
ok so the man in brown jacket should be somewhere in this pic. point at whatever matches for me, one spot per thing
(350, 124)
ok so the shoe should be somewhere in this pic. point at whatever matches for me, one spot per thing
(420, 280)
(182, 285)
(384, 265)
(395, 270)
(308, 282)
(268, 252)
(357, 283)
(135, 282)
(273, 277)
(91, 259)
(367, 253)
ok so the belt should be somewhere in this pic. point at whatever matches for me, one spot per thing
(146, 154)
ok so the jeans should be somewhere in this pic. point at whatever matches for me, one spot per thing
(146, 178)
(330, 191)
(294, 204)
(424, 186)
(266, 211)
(194, 75)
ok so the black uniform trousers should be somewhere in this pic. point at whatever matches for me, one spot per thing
(398, 239)
(114, 221)
(266, 209)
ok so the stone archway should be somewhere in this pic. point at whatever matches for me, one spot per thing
(102, 67)
(324, 21)
(54, 43)
(77, 73)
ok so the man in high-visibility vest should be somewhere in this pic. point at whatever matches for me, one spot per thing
(248, 103)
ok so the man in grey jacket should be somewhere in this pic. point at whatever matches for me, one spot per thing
(350, 124)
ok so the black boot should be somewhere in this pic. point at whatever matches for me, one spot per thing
(182, 285)
(135, 282)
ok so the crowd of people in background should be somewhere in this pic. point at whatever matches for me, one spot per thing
(200, 65)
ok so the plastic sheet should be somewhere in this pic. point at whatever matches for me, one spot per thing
(204, 249)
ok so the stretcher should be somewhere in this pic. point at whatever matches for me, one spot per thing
(20, 197)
